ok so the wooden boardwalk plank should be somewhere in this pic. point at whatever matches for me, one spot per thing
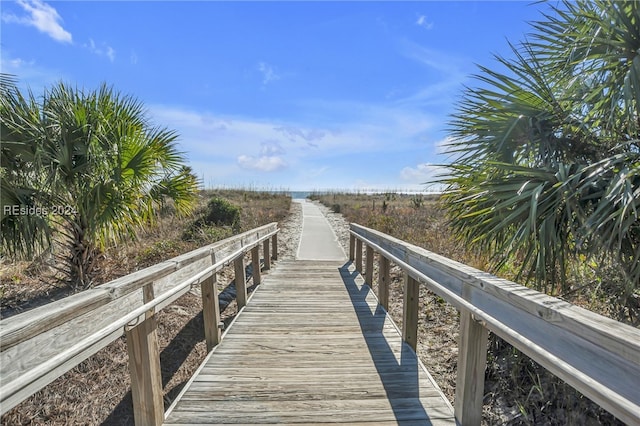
(312, 347)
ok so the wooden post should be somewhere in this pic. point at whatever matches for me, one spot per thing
(147, 296)
(274, 244)
(352, 246)
(369, 270)
(255, 264)
(472, 362)
(410, 311)
(211, 311)
(383, 281)
(267, 255)
(359, 255)
(241, 282)
(144, 368)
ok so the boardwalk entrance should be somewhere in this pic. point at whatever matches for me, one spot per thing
(312, 346)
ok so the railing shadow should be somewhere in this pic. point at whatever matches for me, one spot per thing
(176, 353)
(399, 372)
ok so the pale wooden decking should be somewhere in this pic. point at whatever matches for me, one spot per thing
(312, 347)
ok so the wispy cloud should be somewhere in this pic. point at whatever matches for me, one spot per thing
(425, 175)
(104, 50)
(447, 73)
(269, 160)
(31, 75)
(269, 74)
(310, 136)
(41, 16)
(419, 173)
(444, 62)
(265, 163)
(422, 22)
(292, 153)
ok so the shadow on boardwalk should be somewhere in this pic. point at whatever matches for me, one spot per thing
(399, 376)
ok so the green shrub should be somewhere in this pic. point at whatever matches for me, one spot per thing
(221, 212)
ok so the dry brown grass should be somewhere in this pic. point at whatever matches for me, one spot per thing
(517, 390)
(98, 390)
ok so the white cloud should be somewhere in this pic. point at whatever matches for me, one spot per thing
(111, 54)
(252, 149)
(268, 73)
(265, 163)
(43, 17)
(104, 50)
(271, 148)
(422, 22)
(422, 173)
(270, 159)
(133, 58)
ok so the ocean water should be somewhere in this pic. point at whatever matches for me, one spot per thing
(299, 194)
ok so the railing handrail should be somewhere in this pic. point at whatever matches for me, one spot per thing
(42, 344)
(597, 355)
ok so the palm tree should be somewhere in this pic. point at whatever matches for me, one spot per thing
(96, 165)
(547, 153)
(21, 183)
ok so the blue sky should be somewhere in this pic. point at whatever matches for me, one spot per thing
(276, 95)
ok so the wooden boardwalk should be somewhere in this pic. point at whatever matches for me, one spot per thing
(311, 347)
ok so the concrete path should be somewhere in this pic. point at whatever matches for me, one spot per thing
(318, 240)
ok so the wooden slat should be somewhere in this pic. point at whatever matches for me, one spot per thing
(144, 368)
(598, 356)
(369, 267)
(410, 311)
(267, 255)
(383, 281)
(352, 247)
(274, 245)
(240, 281)
(211, 312)
(359, 255)
(472, 362)
(309, 350)
(40, 345)
(255, 265)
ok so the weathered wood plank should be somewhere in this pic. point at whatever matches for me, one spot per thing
(40, 345)
(333, 421)
(240, 282)
(267, 255)
(144, 368)
(255, 265)
(598, 356)
(211, 312)
(472, 362)
(369, 267)
(19, 328)
(274, 245)
(312, 351)
(352, 247)
(383, 281)
(410, 311)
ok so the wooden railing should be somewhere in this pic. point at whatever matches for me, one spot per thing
(40, 345)
(596, 355)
